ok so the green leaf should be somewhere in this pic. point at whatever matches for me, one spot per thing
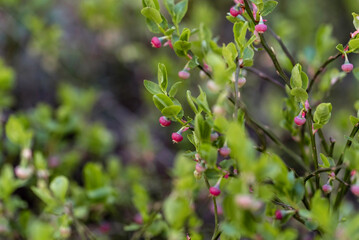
(132, 227)
(354, 120)
(221, 124)
(174, 89)
(186, 33)
(193, 62)
(208, 153)
(354, 44)
(268, 7)
(300, 94)
(322, 114)
(140, 199)
(202, 101)
(162, 77)
(202, 128)
(176, 210)
(17, 133)
(296, 78)
(324, 160)
(59, 186)
(229, 53)
(305, 80)
(93, 176)
(161, 101)
(340, 48)
(180, 11)
(356, 20)
(171, 111)
(152, 13)
(152, 87)
(181, 48)
(356, 73)
(190, 102)
(44, 194)
(151, 3)
(152, 26)
(170, 5)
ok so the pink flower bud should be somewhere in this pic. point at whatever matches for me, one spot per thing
(176, 137)
(212, 86)
(347, 67)
(23, 172)
(200, 168)
(261, 28)
(278, 214)
(215, 191)
(156, 42)
(355, 190)
(218, 110)
(164, 122)
(184, 74)
(224, 151)
(244, 201)
(65, 232)
(105, 227)
(299, 120)
(138, 218)
(241, 81)
(327, 188)
(214, 136)
(26, 153)
(234, 11)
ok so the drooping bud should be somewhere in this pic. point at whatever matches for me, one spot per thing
(327, 188)
(164, 122)
(355, 190)
(347, 66)
(278, 214)
(299, 120)
(261, 27)
(184, 74)
(214, 136)
(177, 137)
(235, 11)
(215, 191)
(23, 172)
(224, 151)
(200, 168)
(156, 42)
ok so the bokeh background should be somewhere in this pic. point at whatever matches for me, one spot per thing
(77, 77)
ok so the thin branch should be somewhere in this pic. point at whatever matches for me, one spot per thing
(264, 76)
(282, 45)
(321, 69)
(216, 233)
(347, 145)
(236, 87)
(322, 140)
(321, 170)
(342, 189)
(297, 159)
(332, 144)
(207, 73)
(341, 181)
(267, 48)
(314, 147)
